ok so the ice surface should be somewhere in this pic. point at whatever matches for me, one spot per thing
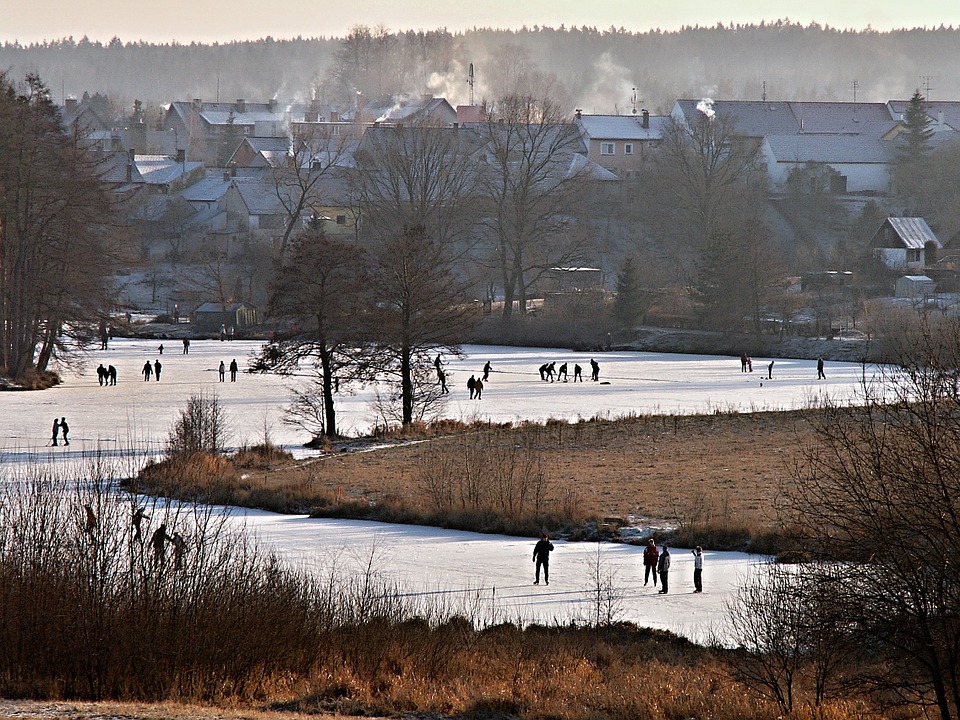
(493, 573)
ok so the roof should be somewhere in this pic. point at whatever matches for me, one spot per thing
(829, 149)
(163, 169)
(917, 278)
(588, 169)
(950, 110)
(260, 196)
(913, 231)
(210, 189)
(750, 117)
(112, 168)
(622, 127)
(840, 117)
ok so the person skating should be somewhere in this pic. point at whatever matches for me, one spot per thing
(663, 569)
(438, 364)
(543, 371)
(479, 388)
(541, 556)
(472, 386)
(160, 349)
(222, 370)
(102, 375)
(770, 371)
(697, 569)
(563, 371)
(820, 374)
(743, 362)
(91, 521)
(64, 430)
(486, 371)
(158, 542)
(56, 430)
(157, 367)
(577, 373)
(112, 374)
(186, 346)
(233, 370)
(650, 557)
(595, 370)
(442, 378)
(147, 371)
(551, 371)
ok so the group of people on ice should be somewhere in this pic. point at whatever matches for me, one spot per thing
(550, 371)
(656, 563)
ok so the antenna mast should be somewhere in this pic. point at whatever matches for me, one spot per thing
(470, 81)
(633, 99)
(926, 86)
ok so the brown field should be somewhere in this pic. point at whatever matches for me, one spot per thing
(716, 471)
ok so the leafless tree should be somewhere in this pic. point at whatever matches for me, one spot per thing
(55, 252)
(418, 176)
(532, 178)
(315, 156)
(420, 307)
(876, 499)
(320, 288)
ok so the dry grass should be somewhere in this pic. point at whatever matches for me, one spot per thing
(714, 476)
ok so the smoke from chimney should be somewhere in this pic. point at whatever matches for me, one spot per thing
(706, 107)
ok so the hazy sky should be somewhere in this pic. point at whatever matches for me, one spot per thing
(224, 20)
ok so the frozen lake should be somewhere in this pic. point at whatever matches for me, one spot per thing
(137, 415)
(491, 574)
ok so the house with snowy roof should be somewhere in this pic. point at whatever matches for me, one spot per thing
(905, 243)
(620, 143)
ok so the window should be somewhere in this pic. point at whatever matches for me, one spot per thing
(341, 219)
(607, 149)
(913, 256)
(628, 148)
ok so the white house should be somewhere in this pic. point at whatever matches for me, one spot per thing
(905, 243)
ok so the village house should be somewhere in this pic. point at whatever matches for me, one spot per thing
(905, 243)
(620, 143)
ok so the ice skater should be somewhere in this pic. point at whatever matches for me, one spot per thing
(56, 431)
(64, 430)
(486, 371)
(102, 375)
(186, 346)
(478, 388)
(697, 569)
(472, 386)
(158, 542)
(157, 367)
(743, 362)
(442, 379)
(650, 557)
(577, 373)
(438, 364)
(541, 556)
(551, 371)
(820, 374)
(663, 569)
(563, 371)
(222, 370)
(770, 371)
(112, 374)
(90, 525)
(595, 370)
(543, 371)
(233, 370)
(160, 349)
(147, 371)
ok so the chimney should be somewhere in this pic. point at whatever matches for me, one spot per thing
(197, 102)
(334, 116)
(272, 104)
(132, 155)
(940, 118)
(645, 119)
(579, 113)
(181, 156)
(226, 176)
(70, 104)
(241, 105)
(310, 116)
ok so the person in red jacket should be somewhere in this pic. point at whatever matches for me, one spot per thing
(650, 557)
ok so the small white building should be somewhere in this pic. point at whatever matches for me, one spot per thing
(915, 287)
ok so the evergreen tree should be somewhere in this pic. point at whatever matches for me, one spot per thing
(629, 306)
(913, 156)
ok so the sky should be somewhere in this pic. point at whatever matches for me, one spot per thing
(225, 20)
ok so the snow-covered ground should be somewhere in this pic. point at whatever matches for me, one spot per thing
(491, 574)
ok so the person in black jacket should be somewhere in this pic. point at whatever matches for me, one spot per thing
(663, 567)
(541, 556)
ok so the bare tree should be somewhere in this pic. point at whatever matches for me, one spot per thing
(418, 176)
(877, 499)
(320, 287)
(55, 252)
(532, 178)
(315, 155)
(420, 307)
